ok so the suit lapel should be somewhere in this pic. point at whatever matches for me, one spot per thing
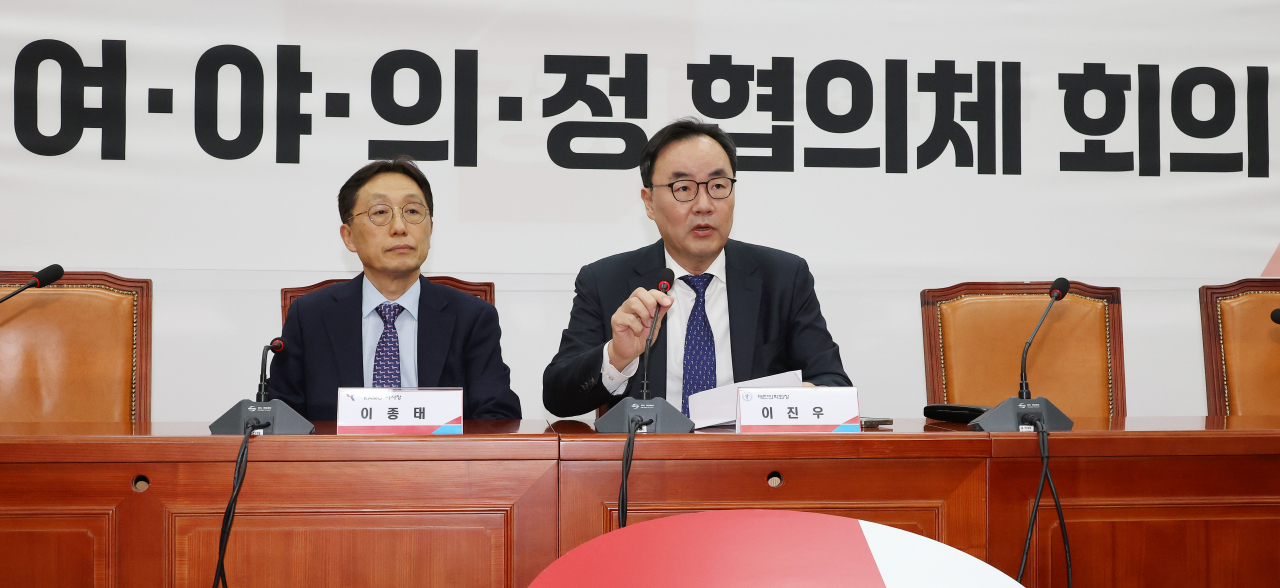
(342, 320)
(435, 331)
(648, 272)
(744, 285)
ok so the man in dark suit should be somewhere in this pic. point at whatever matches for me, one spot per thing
(389, 326)
(739, 311)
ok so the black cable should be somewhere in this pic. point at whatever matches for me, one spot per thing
(242, 464)
(627, 450)
(1035, 509)
(1043, 434)
(1057, 504)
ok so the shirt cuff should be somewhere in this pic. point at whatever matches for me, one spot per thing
(615, 381)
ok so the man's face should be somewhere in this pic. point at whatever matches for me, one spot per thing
(398, 247)
(694, 232)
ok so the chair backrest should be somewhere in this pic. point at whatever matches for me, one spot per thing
(974, 334)
(1241, 347)
(78, 350)
(481, 290)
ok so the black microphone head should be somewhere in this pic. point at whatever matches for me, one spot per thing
(664, 283)
(47, 275)
(1275, 316)
(277, 345)
(1058, 290)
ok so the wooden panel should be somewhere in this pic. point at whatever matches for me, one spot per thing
(56, 547)
(1142, 521)
(484, 440)
(1139, 443)
(341, 549)
(946, 504)
(398, 505)
(579, 442)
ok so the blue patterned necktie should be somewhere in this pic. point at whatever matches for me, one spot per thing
(386, 360)
(699, 344)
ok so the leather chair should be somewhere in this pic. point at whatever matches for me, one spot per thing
(974, 334)
(1241, 347)
(481, 290)
(78, 351)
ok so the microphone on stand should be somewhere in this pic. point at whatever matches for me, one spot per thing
(40, 279)
(268, 417)
(655, 415)
(1021, 413)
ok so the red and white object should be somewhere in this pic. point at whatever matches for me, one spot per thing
(399, 411)
(804, 409)
(746, 548)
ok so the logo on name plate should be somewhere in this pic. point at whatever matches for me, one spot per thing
(746, 396)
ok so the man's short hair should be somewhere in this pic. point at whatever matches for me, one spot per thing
(678, 131)
(401, 164)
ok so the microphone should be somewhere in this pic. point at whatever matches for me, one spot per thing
(276, 346)
(1056, 292)
(40, 279)
(46, 276)
(267, 416)
(1275, 316)
(1021, 412)
(646, 414)
(664, 286)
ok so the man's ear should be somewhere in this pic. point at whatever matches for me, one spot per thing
(345, 231)
(646, 195)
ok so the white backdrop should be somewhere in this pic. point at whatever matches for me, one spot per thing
(220, 237)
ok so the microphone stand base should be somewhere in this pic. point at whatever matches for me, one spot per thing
(666, 418)
(282, 418)
(1013, 413)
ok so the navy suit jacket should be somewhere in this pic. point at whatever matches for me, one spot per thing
(458, 346)
(775, 325)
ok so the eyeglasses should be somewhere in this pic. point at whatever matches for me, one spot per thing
(686, 190)
(381, 214)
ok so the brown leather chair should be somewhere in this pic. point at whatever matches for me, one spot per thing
(974, 334)
(481, 290)
(76, 351)
(1241, 347)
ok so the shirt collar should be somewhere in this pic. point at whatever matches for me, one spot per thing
(371, 298)
(716, 268)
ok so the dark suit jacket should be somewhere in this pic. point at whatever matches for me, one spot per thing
(775, 325)
(458, 346)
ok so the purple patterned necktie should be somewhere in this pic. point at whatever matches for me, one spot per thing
(699, 344)
(386, 360)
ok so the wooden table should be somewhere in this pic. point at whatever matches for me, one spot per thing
(1156, 502)
(1152, 502)
(88, 505)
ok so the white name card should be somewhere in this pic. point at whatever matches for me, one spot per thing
(399, 411)
(798, 410)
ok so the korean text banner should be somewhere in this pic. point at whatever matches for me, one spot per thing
(896, 146)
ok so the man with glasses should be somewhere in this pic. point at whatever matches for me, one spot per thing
(736, 311)
(389, 326)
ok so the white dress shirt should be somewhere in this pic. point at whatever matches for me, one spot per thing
(676, 323)
(406, 331)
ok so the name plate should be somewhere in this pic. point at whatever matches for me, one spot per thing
(399, 411)
(798, 410)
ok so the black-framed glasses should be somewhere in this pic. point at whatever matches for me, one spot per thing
(381, 214)
(686, 190)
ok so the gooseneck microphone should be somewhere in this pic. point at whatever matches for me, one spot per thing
(40, 279)
(640, 412)
(664, 286)
(276, 346)
(271, 417)
(1056, 292)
